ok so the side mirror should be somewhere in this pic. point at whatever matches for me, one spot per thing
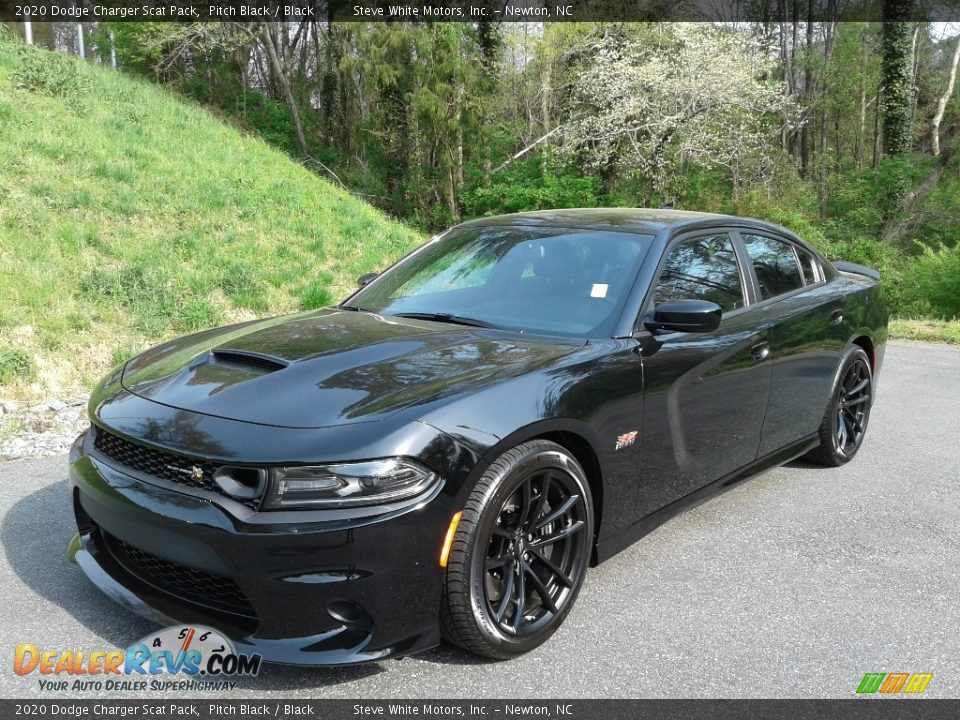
(364, 280)
(686, 316)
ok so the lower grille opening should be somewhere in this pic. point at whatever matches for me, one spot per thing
(197, 586)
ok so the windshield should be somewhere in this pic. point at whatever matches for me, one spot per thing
(554, 281)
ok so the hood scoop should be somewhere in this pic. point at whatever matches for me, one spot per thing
(249, 360)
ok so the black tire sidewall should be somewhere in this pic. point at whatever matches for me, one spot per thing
(537, 458)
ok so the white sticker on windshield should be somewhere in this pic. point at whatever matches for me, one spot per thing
(599, 290)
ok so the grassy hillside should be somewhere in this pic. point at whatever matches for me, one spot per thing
(128, 215)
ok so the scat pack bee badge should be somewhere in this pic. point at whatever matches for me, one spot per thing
(192, 651)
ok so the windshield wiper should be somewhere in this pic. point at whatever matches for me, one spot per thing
(448, 318)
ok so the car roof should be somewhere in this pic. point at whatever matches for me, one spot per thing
(637, 220)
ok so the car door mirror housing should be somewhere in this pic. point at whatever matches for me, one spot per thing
(686, 316)
(366, 279)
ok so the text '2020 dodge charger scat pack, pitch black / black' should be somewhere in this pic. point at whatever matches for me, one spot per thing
(446, 452)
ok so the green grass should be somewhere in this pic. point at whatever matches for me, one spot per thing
(943, 331)
(128, 215)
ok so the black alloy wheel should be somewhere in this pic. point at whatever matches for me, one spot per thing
(520, 553)
(845, 422)
(853, 408)
(533, 552)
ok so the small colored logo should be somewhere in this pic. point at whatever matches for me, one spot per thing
(194, 472)
(894, 683)
(626, 439)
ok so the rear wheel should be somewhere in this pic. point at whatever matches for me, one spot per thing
(845, 421)
(520, 552)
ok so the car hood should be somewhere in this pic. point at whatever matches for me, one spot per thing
(330, 367)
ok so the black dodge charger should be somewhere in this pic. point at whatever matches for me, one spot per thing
(447, 451)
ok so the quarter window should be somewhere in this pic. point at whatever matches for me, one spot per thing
(775, 265)
(809, 267)
(703, 268)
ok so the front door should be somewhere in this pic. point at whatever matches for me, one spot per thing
(705, 394)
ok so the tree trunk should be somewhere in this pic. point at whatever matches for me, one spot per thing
(787, 84)
(942, 103)
(527, 149)
(805, 139)
(897, 77)
(28, 31)
(877, 131)
(862, 134)
(329, 86)
(284, 80)
(81, 48)
(914, 73)
(793, 65)
(545, 100)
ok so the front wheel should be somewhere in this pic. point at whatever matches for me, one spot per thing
(520, 552)
(845, 421)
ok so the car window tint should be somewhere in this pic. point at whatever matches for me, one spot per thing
(703, 268)
(775, 265)
(808, 265)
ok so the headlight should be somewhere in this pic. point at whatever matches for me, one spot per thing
(364, 483)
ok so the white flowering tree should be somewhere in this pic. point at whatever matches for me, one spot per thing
(686, 93)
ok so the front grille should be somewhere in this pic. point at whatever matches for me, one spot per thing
(194, 585)
(179, 469)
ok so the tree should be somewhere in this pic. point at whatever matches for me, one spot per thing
(897, 78)
(944, 99)
(691, 94)
(279, 56)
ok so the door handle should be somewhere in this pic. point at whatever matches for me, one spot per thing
(836, 317)
(760, 351)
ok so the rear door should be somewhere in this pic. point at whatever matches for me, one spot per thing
(704, 393)
(806, 332)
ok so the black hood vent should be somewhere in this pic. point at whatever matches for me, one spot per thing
(243, 358)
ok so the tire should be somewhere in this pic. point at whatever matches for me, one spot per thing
(845, 420)
(493, 564)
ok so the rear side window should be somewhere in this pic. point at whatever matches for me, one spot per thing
(809, 267)
(775, 264)
(703, 268)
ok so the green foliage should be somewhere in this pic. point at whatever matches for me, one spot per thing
(15, 364)
(140, 46)
(122, 355)
(243, 283)
(867, 199)
(151, 218)
(253, 111)
(198, 313)
(934, 284)
(53, 74)
(945, 331)
(316, 295)
(525, 187)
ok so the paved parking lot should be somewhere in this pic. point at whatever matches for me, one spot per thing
(793, 584)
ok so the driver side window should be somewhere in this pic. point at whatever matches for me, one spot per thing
(703, 268)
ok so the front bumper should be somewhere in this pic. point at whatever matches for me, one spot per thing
(311, 593)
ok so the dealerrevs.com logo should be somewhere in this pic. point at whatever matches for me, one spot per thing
(198, 658)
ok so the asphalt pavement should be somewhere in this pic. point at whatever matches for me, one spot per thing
(793, 584)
